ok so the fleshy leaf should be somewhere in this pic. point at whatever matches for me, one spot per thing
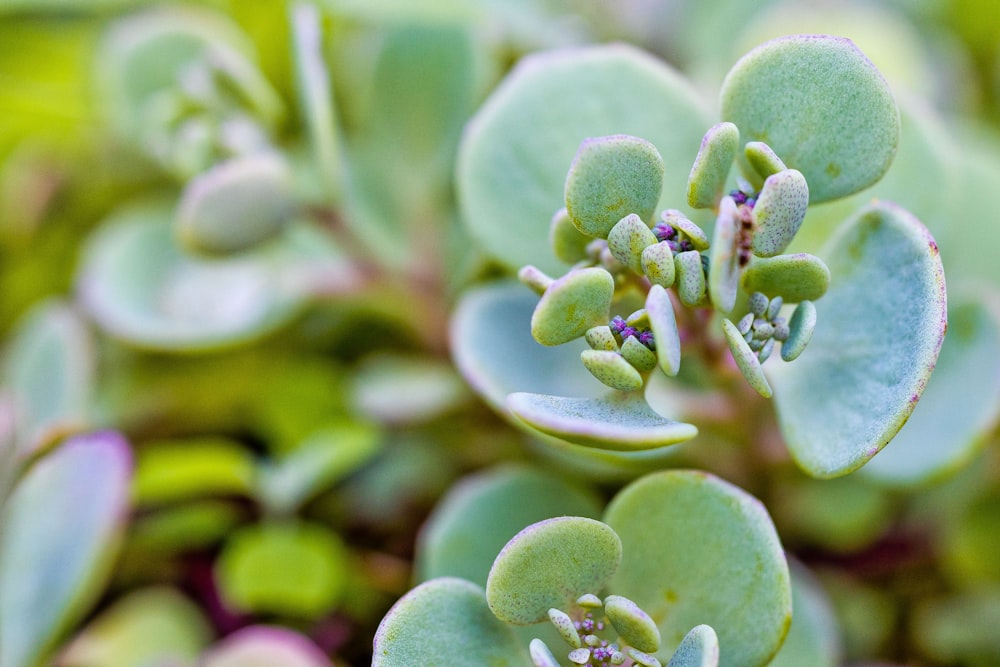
(620, 421)
(707, 179)
(628, 239)
(873, 350)
(779, 212)
(795, 278)
(800, 331)
(728, 537)
(638, 355)
(549, 565)
(746, 359)
(821, 105)
(568, 243)
(493, 348)
(149, 626)
(724, 277)
(52, 570)
(632, 624)
(690, 277)
(660, 311)
(541, 656)
(699, 648)
(140, 287)
(296, 569)
(572, 304)
(264, 646)
(514, 155)
(762, 159)
(611, 369)
(479, 515)
(610, 178)
(959, 407)
(49, 369)
(168, 471)
(236, 205)
(658, 264)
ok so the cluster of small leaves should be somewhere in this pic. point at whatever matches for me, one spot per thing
(621, 174)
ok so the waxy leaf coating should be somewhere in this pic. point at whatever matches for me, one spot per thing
(882, 323)
(746, 359)
(658, 264)
(619, 421)
(612, 369)
(821, 105)
(610, 178)
(633, 625)
(628, 239)
(445, 621)
(699, 648)
(763, 160)
(690, 277)
(697, 549)
(779, 212)
(795, 278)
(724, 278)
(572, 304)
(550, 564)
(660, 311)
(707, 180)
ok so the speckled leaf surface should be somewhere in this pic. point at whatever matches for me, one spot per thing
(711, 167)
(780, 210)
(880, 328)
(572, 304)
(513, 160)
(698, 550)
(445, 621)
(821, 105)
(620, 420)
(699, 648)
(960, 406)
(480, 514)
(795, 277)
(610, 178)
(61, 530)
(549, 565)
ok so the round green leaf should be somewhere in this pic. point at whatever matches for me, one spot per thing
(140, 287)
(236, 205)
(51, 570)
(763, 159)
(611, 178)
(549, 565)
(657, 262)
(707, 179)
(960, 406)
(823, 108)
(699, 648)
(493, 348)
(685, 532)
(515, 153)
(296, 569)
(445, 621)
(572, 304)
(632, 624)
(265, 646)
(147, 627)
(568, 244)
(397, 390)
(627, 240)
(871, 355)
(795, 278)
(483, 511)
(620, 421)
(612, 369)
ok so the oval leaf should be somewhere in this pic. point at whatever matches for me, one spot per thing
(619, 421)
(572, 304)
(823, 108)
(512, 162)
(684, 532)
(711, 167)
(699, 648)
(779, 212)
(795, 278)
(549, 565)
(611, 178)
(881, 325)
(51, 570)
(662, 321)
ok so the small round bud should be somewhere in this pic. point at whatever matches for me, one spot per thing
(589, 601)
(765, 350)
(745, 323)
(774, 307)
(758, 304)
(564, 624)
(579, 656)
(763, 330)
(781, 329)
(591, 640)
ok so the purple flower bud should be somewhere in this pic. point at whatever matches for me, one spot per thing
(629, 331)
(646, 338)
(674, 246)
(617, 324)
(663, 231)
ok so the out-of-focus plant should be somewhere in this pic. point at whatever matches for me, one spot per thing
(253, 255)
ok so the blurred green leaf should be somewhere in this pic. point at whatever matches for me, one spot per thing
(61, 531)
(265, 646)
(168, 471)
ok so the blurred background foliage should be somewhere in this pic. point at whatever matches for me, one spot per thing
(291, 415)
